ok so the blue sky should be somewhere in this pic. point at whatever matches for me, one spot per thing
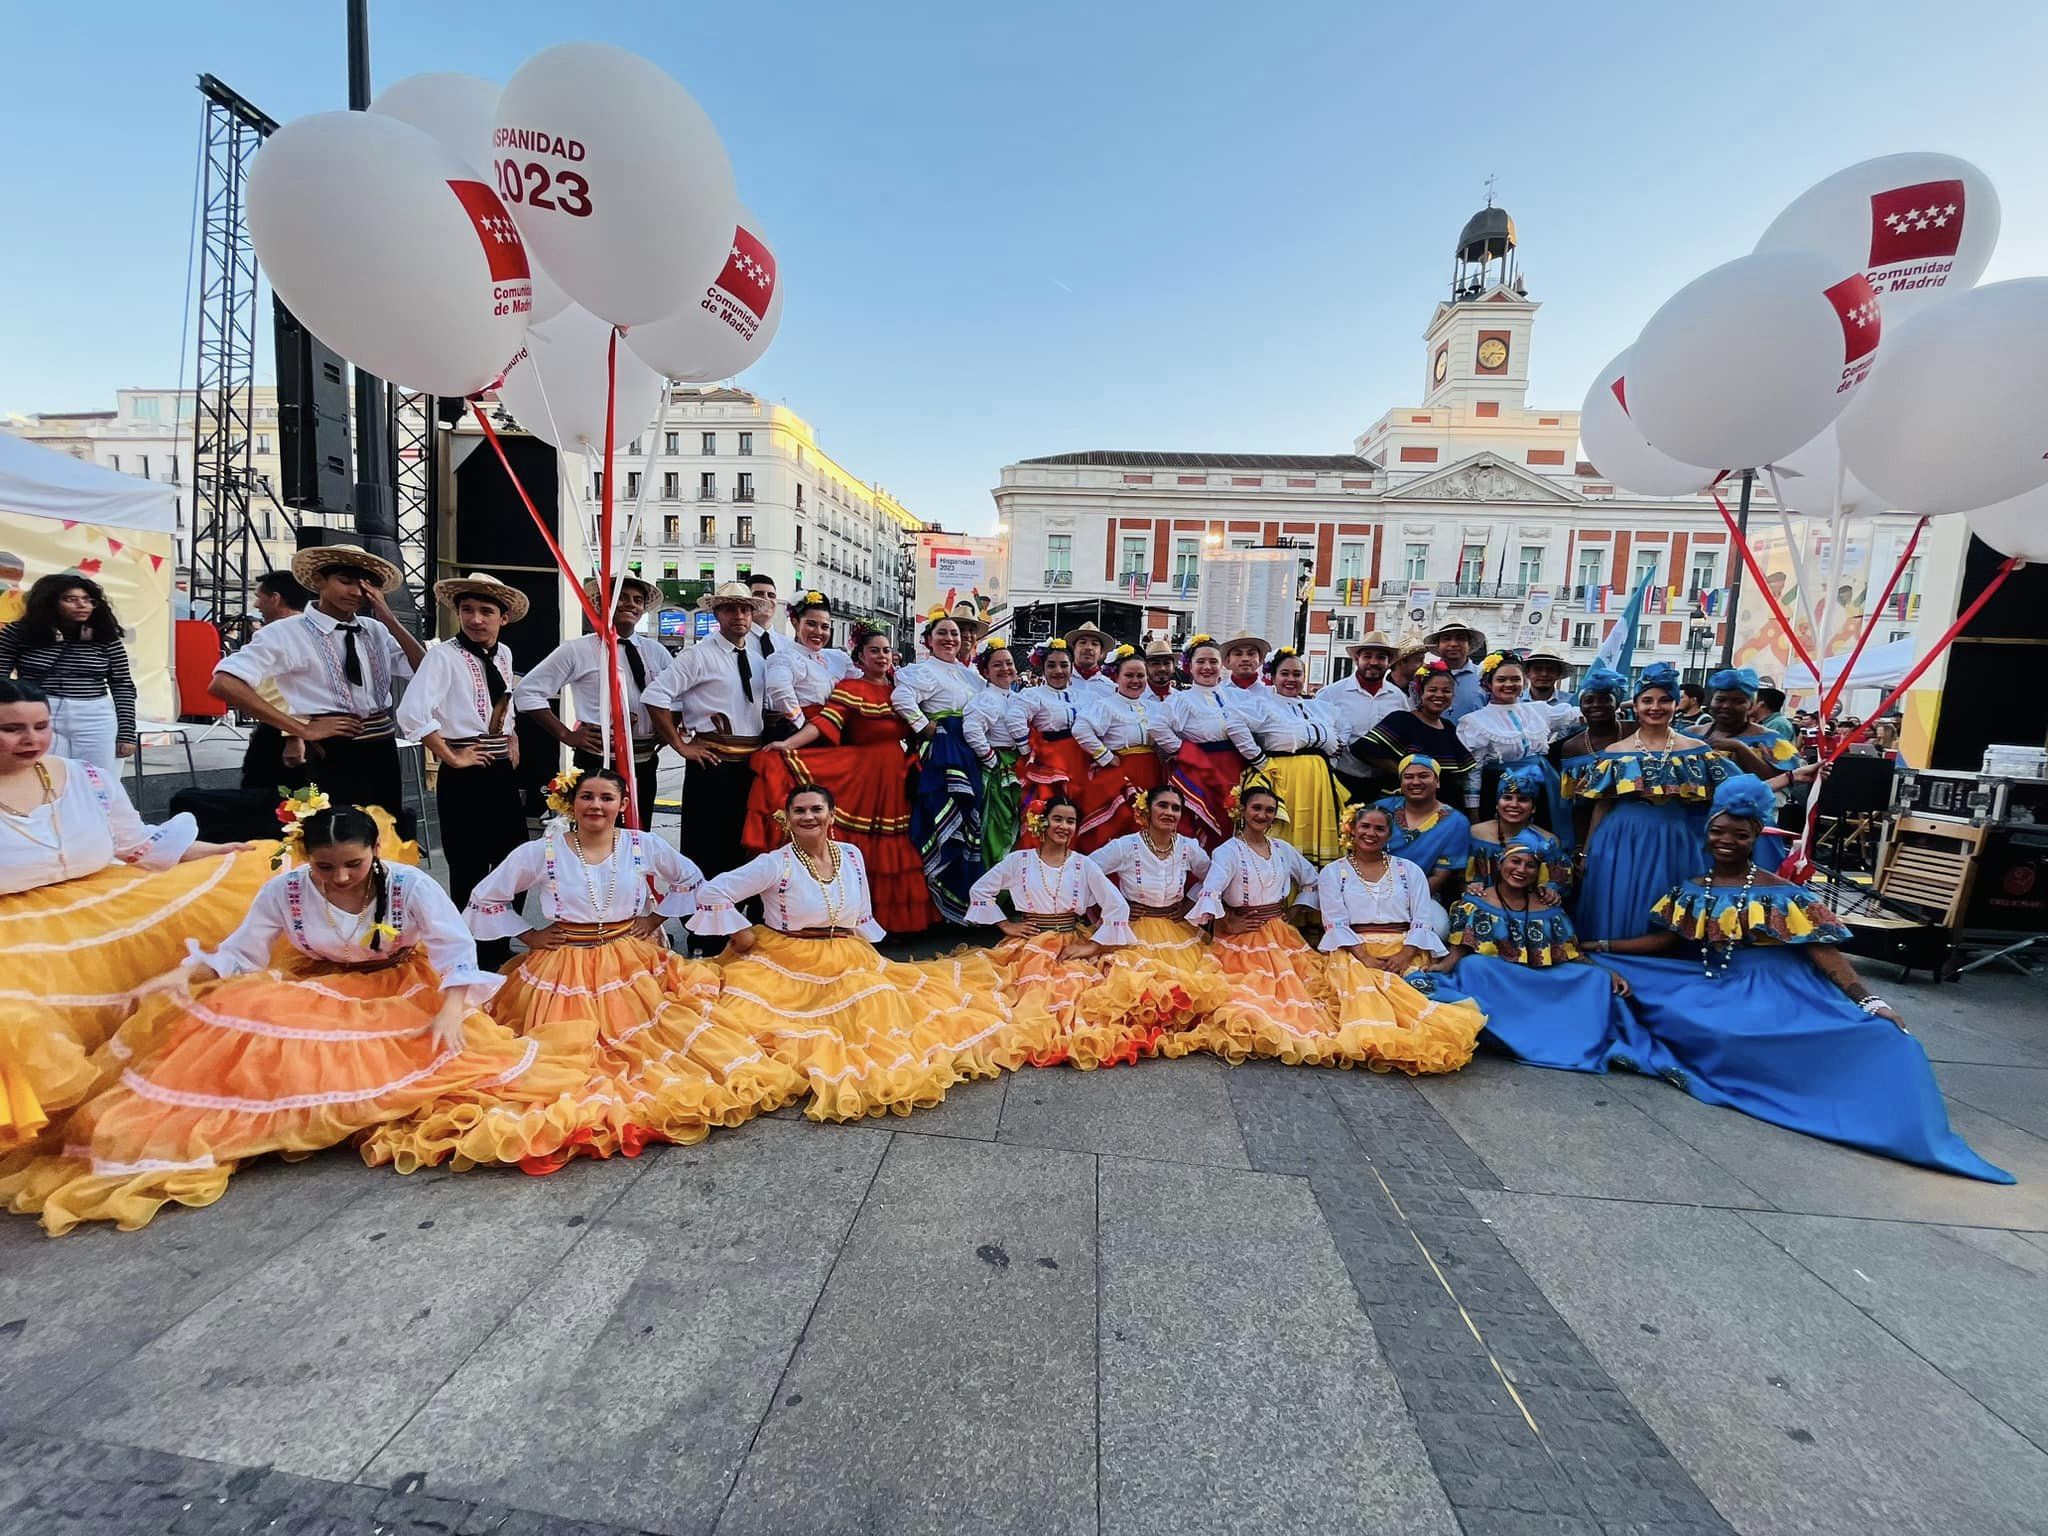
(1024, 229)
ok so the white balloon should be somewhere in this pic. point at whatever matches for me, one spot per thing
(456, 111)
(390, 250)
(1957, 415)
(1921, 227)
(726, 330)
(1752, 359)
(555, 386)
(1617, 449)
(618, 179)
(1807, 476)
(2016, 527)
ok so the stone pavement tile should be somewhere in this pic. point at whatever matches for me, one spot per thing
(1995, 1002)
(1792, 1409)
(1175, 1111)
(2016, 1095)
(626, 1387)
(1804, 1173)
(311, 1361)
(74, 1306)
(1968, 1300)
(946, 1382)
(1574, 1133)
(1241, 1386)
(1946, 1040)
(972, 1110)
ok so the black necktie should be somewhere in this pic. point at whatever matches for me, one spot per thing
(746, 671)
(487, 657)
(767, 643)
(635, 662)
(351, 663)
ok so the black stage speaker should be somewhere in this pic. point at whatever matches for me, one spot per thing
(312, 419)
(1987, 692)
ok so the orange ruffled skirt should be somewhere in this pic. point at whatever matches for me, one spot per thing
(866, 1035)
(1275, 1003)
(1385, 1024)
(72, 955)
(655, 1066)
(289, 1060)
(1102, 1012)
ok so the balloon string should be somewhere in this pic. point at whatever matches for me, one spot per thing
(621, 728)
(546, 533)
(1834, 693)
(1757, 575)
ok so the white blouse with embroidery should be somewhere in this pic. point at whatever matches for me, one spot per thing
(1240, 877)
(996, 718)
(1204, 714)
(1293, 725)
(1349, 902)
(933, 687)
(449, 694)
(1123, 723)
(1053, 710)
(88, 826)
(798, 676)
(1146, 878)
(643, 874)
(290, 907)
(1038, 889)
(1508, 733)
(791, 897)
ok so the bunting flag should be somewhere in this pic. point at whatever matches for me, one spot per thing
(70, 523)
(156, 562)
(114, 545)
(89, 567)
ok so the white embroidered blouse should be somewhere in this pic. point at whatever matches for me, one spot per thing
(290, 907)
(1204, 714)
(1292, 725)
(89, 825)
(933, 687)
(791, 897)
(1507, 733)
(1146, 878)
(798, 676)
(1122, 723)
(1052, 710)
(995, 718)
(1240, 877)
(643, 874)
(1038, 889)
(448, 693)
(1349, 902)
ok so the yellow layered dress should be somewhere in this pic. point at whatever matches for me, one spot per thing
(866, 1035)
(1160, 890)
(1382, 1021)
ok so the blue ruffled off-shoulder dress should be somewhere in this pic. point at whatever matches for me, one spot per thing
(1651, 837)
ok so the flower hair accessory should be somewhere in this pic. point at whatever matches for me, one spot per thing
(561, 790)
(292, 812)
(1272, 666)
(1142, 802)
(1492, 661)
(1034, 819)
(1118, 657)
(1055, 645)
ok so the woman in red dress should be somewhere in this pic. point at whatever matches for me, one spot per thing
(1129, 764)
(854, 746)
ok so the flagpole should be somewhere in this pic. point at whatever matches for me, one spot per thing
(1735, 571)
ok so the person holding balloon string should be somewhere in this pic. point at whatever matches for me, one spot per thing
(997, 730)
(1741, 982)
(1299, 738)
(578, 667)
(1068, 980)
(1509, 729)
(801, 676)
(1127, 765)
(932, 696)
(1159, 870)
(1516, 799)
(853, 744)
(1207, 738)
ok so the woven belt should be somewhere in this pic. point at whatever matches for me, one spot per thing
(1039, 922)
(1379, 927)
(1138, 751)
(820, 933)
(1176, 910)
(592, 935)
(729, 746)
(1057, 735)
(382, 962)
(494, 748)
(1264, 914)
(377, 727)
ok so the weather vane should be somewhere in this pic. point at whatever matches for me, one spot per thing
(1490, 180)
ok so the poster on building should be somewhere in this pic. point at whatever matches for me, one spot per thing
(1418, 610)
(1536, 610)
(961, 568)
(1248, 591)
(1836, 617)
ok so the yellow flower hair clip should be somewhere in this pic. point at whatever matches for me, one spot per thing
(561, 790)
(1057, 645)
(1493, 659)
(292, 811)
(1142, 804)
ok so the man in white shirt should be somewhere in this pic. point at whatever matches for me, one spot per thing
(459, 707)
(767, 613)
(717, 688)
(333, 673)
(1089, 645)
(578, 666)
(1243, 656)
(1161, 665)
(1358, 703)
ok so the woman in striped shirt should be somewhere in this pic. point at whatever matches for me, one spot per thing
(68, 644)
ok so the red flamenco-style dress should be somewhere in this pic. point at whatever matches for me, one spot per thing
(869, 774)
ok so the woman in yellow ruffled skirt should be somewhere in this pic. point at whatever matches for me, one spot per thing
(1378, 927)
(1276, 1003)
(368, 1017)
(93, 903)
(599, 985)
(1157, 871)
(866, 1035)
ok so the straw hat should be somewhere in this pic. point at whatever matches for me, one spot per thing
(454, 589)
(1371, 640)
(1236, 642)
(1457, 627)
(1160, 649)
(1410, 647)
(1540, 654)
(648, 591)
(725, 595)
(1089, 631)
(309, 565)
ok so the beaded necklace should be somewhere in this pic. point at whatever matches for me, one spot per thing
(1723, 952)
(352, 936)
(602, 908)
(828, 886)
(1053, 895)
(1174, 884)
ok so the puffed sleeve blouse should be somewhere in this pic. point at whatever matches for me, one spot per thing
(1508, 733)
(995, 720)
(1350, 902)
(1238, 877)
(932, 687)
(643, 874)
(1146, 878)
(88, 826)
(1037, 889)
(791, 899)
(1197, 713)
(796, 676)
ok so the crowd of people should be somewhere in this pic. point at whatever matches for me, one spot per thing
(1176, 851)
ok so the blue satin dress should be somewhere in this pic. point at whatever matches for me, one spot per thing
(1652, 836)
(1543, 1005)
(1773, 1037)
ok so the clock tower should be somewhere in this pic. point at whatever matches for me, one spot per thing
(1477, 344)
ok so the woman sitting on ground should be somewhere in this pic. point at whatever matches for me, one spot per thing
(1515, 814)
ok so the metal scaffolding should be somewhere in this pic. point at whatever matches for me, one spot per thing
(226, 554)
(413, 484)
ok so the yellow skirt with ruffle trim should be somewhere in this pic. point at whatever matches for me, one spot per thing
(867, 1036)
(656, 1066)
(288, 1060)
(1314, 800)
(72, 955)
(1275, 1003)
(1183, 949)
(1385, 1024)
(1106, 1011)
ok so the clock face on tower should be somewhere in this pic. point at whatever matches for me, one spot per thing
(1493, 353)
(1443, 363)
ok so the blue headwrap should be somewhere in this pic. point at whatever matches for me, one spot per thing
(1417, 760)
(1658, 674)
(1735, 679)
(1524, 778)
(1744, 796)
(1529, 841)
(1603, 679)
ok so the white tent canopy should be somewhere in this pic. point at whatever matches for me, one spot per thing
(1880, 666)
(40, 482)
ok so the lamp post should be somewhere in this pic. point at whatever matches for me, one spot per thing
(1699, 640)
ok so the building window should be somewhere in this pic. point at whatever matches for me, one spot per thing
(145, 408)
(145, 466)
(114, 462)
(1645, 637)
(1415, 564)
(632, 485)
(633, 449)
(1059, 552)
(671, 486)
(672, 442)
(1344, 626)
(1706, 571)
(799, 498)
(1135, 561)
(1592, 570)
(1187, 565)
(597, 485)
(746, 488)
(1647, 564)
(707, 530)
(1350, 562)
(669, 569)
(745, 537)
(1530, 570)
(174, 469)
(1471, 565)
(263, 442)
(707, 486)
(746, 444)
(1582, 633)
(671, 530)
(710, 440)
(1909, 580)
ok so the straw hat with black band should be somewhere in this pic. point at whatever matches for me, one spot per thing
(1372, 640)
(309, 565)
(1457, 627)
(727, 594)
(1090, 631)
(453, 589)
